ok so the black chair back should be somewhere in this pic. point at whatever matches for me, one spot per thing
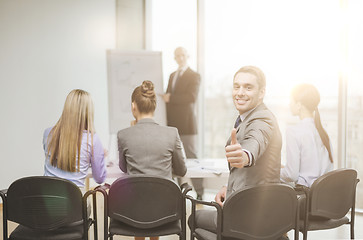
(145, 201)
(260, 212)
(44, 203)
(333, 194)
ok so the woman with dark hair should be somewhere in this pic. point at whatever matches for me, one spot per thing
(308, 148)
(146, 147)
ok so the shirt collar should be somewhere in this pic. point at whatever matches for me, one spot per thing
(244, 115)
(146, 120)
(182, 69)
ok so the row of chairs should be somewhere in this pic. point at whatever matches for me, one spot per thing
(52, 208)
(268, 211)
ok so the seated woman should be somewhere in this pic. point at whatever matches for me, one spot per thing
(72, 145)
(308, 148)
(147, 147)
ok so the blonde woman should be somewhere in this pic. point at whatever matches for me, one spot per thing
(72, 145)
(308, 148)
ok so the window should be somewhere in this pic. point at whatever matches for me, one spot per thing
(354, 71)
(291, 41)
(174, 24)
(291, 44)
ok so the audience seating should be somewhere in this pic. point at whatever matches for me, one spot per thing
(329, 200)
(144, 206)
(46, 208)
(265, 211)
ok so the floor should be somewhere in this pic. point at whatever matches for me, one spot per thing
(338, 233)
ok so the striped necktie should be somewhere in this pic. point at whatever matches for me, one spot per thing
(238, 122)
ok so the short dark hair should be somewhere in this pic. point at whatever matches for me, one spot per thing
(261, 80)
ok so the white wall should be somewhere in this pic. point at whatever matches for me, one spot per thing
(130, 24)
(48, 48)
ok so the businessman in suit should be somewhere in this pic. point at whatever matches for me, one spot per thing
(180, 98)
(253, 150)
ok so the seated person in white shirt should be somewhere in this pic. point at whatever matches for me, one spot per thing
(308, 148)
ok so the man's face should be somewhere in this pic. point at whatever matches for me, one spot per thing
(246, 92)
(181, 57)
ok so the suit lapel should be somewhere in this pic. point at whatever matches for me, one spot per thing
(242, 128)
(182, 80)
(170, 82)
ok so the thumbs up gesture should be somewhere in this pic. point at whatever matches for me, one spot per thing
(235, 155)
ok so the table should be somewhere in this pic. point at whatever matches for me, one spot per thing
(196, 168)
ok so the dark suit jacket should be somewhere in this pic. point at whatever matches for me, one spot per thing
(181, 107)
(259, 133)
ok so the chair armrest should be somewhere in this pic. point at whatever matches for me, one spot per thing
(302, 188)
(6, 190)
(211, 203)
(185, 188)
(3, 194)
(102, 188)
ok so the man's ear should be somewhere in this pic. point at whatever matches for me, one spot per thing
(262, 93)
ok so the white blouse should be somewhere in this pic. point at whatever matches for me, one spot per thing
(306, 156)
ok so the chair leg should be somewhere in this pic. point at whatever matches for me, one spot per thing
(305, 234)
(351, 230)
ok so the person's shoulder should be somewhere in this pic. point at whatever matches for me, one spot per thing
(295, 130)
(168, 130)
(263, 112)
(96, 138)
(192, 72)
(47, 131)
(124, 131)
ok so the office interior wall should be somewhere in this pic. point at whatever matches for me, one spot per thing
(47, 49)
(130, 24)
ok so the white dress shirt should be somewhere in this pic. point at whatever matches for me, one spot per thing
(178, 73)
(306, 156)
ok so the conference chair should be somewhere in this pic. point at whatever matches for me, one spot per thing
(265, 211)
(329, 200)
(46, 208)
(144, 206)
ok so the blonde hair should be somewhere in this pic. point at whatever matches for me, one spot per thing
(144, 97)
(65, 138)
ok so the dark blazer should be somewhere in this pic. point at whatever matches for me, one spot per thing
(259, 133)
(148, 148)
(181, 107)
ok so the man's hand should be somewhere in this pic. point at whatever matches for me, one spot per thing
(221, 196)
(235, 155)
(166, 97)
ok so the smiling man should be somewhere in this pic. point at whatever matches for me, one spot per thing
(253, 151)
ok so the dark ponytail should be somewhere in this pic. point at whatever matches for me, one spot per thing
(323, 135)
(309, 96)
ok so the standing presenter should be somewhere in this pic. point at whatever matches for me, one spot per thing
(180, 99)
